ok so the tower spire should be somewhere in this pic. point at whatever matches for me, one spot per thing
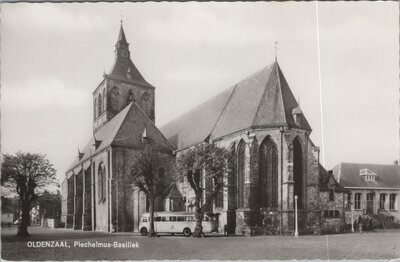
(121, 36)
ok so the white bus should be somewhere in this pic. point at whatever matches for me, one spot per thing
(175, 223)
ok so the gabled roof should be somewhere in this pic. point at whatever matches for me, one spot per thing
(173, 192)
(126, 129)
(348, 175)
(264, 99)
(328, 181)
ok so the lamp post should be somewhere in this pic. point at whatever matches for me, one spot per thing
(352, 218)
(350, 204)
(296, 232)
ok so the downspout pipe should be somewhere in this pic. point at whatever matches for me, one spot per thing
(281, 130)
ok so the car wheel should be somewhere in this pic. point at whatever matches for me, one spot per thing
(187, 232)
(143, 231)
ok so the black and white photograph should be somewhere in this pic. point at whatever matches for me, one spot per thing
(200, 131)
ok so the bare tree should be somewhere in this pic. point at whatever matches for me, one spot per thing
(204, 161)
(28, 173)
(149, 173)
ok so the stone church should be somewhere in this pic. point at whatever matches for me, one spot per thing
(257, 119)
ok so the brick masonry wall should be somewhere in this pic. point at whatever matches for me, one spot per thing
(64, 196)
(102, 216)
(309, 219)
(129, 203)
(332, 224)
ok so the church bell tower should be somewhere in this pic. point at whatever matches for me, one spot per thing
(121, 86)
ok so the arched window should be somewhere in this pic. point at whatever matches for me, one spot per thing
(95, 108)
(240, 173)
(115, 98)
(99, 108)
(232, 181)
(131, 96)
(145, 103)
(219, 198)
(268, 173)
(298, 172)
(101, 183)
(104, 100)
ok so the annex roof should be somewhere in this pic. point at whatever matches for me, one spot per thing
(348, 175)
(264, 99)
(126, 129)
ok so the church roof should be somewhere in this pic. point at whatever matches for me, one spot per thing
(264, 99)
(348, 175)
(126, 129)
(120, 69)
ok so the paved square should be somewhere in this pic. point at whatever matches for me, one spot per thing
(383, 244)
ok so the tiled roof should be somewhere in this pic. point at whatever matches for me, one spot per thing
(126, 129)
(264, 99)
(348, 175)
(120, 71)
(195, 126)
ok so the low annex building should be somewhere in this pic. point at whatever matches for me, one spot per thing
(257, 119)
(372, 189)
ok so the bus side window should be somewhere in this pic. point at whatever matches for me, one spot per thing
(180, 219)
(190, 218)
(157, 219)
(144, 219)
(172, 218)
(163, 219)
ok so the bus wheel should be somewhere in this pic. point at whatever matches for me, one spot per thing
(143, 231)
(187, 232)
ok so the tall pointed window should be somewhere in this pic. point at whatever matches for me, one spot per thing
(240, 173)
(298, 172)
(268, 168)
(95, 108)
(101, 183)
(99, 107)
(104, 100)
(131, 96)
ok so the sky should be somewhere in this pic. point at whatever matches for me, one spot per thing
(341, 60)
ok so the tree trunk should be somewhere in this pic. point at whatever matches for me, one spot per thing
(23, 225)
(198, 231)
(151, 210)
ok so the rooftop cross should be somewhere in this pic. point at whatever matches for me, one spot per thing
(276, 50)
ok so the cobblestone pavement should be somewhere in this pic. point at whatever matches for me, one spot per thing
(382, 244)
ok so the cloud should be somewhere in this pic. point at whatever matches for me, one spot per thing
(199, 27)
(50, 16)
(41, 93)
